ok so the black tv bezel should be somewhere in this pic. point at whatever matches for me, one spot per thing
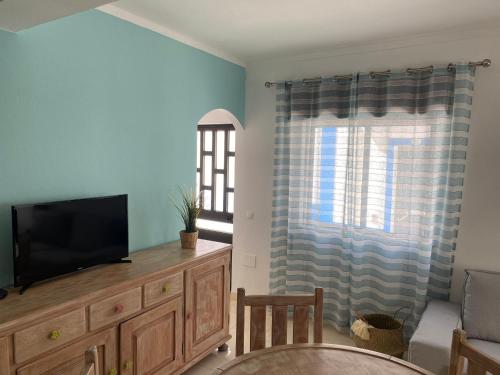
(24, 284)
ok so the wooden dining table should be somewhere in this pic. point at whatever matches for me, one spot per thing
(318, 359)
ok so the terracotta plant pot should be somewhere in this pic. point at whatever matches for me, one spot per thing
(188, 240)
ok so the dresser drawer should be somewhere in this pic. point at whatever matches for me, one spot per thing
(49, 335)
(115, 308)
(162, 289)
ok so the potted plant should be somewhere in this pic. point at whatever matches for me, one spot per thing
(189, 209)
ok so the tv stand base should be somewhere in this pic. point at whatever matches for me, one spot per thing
(24, 288)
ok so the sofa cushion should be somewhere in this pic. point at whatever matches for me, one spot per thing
(487, 347)
(430, 345)
(481, 305)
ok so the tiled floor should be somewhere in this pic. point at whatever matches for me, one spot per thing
(215, 359)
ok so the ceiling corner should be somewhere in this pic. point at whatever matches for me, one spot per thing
(123, 14)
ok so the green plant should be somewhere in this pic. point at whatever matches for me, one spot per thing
(189, 208)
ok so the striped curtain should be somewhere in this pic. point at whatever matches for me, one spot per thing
(368, 178)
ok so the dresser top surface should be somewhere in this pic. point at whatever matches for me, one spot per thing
(80, 287)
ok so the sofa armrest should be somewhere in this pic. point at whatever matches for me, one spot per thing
(430, 345)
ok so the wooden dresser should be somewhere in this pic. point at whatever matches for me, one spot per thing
(160, 314)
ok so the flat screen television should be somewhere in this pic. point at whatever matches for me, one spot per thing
(51, 239)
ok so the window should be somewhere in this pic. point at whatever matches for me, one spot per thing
(215, 175)
(380, 168)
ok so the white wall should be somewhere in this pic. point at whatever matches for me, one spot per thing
(479, 235)
(220, 116)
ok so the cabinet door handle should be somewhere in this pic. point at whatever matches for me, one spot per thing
(55, 334)
(166, 288)
(128, 365)
(119, 308)
(112, 371)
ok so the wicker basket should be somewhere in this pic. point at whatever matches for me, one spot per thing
(386, 335)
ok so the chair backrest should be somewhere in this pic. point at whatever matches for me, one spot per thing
(279, 305)
(91, 362)
(478, 363)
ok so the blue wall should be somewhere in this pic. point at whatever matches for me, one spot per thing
(92, 105)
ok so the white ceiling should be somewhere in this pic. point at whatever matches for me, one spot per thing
(254, 29)
(245, 30)
(16, 15)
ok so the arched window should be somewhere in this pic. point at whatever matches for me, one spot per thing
(215, 174)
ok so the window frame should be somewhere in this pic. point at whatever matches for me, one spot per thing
(224, 215)
(326, 210)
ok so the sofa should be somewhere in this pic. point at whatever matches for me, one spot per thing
(478, 315)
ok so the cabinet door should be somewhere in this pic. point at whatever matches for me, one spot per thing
(71, 360)
(152, 342)
(207, 306)
(4, 356)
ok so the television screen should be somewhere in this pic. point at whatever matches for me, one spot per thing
(51, 239)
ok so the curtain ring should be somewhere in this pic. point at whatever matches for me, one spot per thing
(386, 73)
(342, 78)
(425, 69)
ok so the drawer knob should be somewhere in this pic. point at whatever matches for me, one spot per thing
(128, 365)
(166, 288)
(119, 308)
(55, 334)
(112, 371)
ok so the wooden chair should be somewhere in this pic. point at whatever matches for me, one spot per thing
(279, 304)
(477, 362)
(91, 362)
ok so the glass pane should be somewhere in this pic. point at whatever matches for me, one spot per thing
(221, 147)
(207, 170)
(232, 141)
(197, 182)
(198, 145)
(219, 192)
(230, 202)
(207, 200)
(208, 140)
(230, 172)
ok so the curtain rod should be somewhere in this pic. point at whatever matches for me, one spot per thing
(483, 63)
